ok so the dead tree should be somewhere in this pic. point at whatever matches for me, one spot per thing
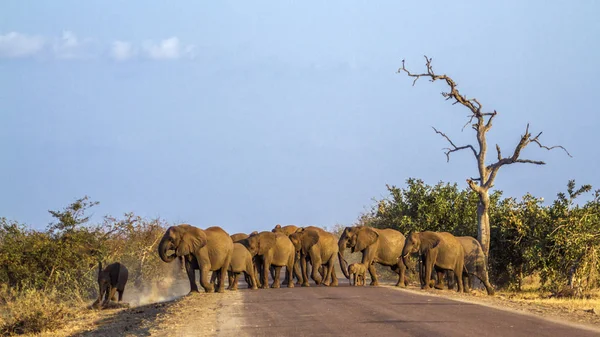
(481, 122)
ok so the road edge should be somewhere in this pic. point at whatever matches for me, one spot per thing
(553, 319)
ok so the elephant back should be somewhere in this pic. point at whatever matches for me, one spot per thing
(219, 245)
(391, 242)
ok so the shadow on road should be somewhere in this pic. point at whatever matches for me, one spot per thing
(132, 322)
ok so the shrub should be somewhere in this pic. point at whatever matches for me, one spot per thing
(30, 311)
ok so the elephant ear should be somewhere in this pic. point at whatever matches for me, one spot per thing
(310, 239)
(366, 237)
(192, 239)
(266, 241)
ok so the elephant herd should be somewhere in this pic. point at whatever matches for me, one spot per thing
(262, 254)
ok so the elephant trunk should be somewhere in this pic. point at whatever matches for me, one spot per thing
(341, 249)
(163, 247)
(343, 264)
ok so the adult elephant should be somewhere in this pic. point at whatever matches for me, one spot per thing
(321, 248)
(475, 265)
(274, 249)
(438, 250)
(383, 246)
(287, 230)
(241, 262)
(211, 249)
(235, 238)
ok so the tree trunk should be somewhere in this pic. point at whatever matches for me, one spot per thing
(483, 222)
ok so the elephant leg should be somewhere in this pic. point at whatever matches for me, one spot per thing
(331, 272)
(467, 282)
(439, 283)
(230, 276)
(257, 270)
(253, 279)
(458, 276)
(373, 273)
(265, 272)
(484, 279)
(234, 281)
(297, 271)
(401, 274)
(429, 262)
(276, 282)
(204, 281)
(316, 264)
(222, 276)
(191, 277)
(304, 272)
(120, 294)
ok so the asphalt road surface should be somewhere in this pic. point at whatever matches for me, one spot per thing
(373, 311)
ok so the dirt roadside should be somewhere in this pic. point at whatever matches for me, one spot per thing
(193, 315)
(574, 317)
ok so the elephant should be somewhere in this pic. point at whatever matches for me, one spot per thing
(383, 246)
(359, 271)
(235, 238)
(238, 236)
(210, 249)
(438, 250)
(241, 262)
(475, 264)
(288, 230)
(272, 249)
(110, 280)
(321, 248)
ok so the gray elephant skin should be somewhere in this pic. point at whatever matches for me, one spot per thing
(110, 280)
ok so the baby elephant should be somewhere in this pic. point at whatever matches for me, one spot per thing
(110, 280)
(359, 271)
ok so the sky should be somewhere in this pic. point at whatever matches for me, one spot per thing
(246, 114)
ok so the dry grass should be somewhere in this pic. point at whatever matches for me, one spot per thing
(32, 311)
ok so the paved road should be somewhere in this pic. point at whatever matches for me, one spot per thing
(373, 311)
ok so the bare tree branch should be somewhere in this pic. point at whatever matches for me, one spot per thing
(499, 152)
(537, 141)
(474, 186)
(454, 147)
(472, 104)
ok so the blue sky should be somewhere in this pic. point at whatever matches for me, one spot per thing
(248, 114)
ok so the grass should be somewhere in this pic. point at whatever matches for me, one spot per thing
(33, 311)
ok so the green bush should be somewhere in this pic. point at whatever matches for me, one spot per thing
(559, 241)
(54, 269)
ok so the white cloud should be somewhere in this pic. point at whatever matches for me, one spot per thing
(122, 50)
(15, 44)
(71, 47)
(168, 49)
